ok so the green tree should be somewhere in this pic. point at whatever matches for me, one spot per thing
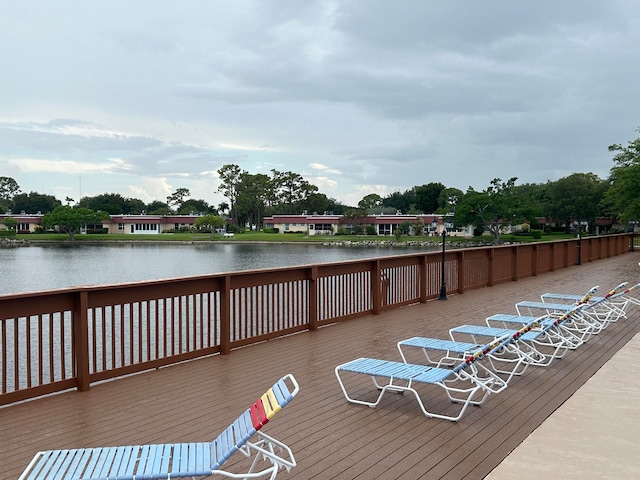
(223, 207)
(34, 202)
(253, 190)
(194, 206)
(402, 202)
(623, 194)
(291, 190)
(178, 197)
(158, 207)
(405, 228)
(370, 203)
(11, 224)
(448, 199)
(577, 198)
(427, 197)
(113, 204)
(8, 189)
(317, 202)
(70, 220)
(334, 206)
(230, 177)
(532, 202)
(210, 222)
(355, 221)
(489, 210)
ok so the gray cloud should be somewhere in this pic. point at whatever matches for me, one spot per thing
(390, 95)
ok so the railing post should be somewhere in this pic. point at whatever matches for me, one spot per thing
(460, 257)
(81, 340)
(225, 316)
(515, 259)
(312, 276)
(376, 287)
(490, 279)
(534, 260)
(422, 287)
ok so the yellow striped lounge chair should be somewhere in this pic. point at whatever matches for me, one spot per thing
(181, 460)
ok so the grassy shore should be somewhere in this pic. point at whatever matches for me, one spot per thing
(276, 238)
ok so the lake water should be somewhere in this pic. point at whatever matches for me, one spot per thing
(43, 267)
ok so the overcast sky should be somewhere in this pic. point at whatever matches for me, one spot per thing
(144, 97)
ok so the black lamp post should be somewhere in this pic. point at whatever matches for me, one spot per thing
(443, 285)
(580, 243)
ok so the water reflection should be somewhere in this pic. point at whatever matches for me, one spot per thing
(43, 267)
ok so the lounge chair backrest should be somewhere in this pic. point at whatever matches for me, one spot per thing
(485, 350)
(253, 419)
(588, 296)
(625, 291)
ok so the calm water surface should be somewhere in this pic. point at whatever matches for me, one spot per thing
(24, 269)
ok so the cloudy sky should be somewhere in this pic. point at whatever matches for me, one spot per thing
(358, 96)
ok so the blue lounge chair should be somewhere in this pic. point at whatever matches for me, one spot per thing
(613, 305)
(468, 383)
(537, 347)
(180, 460)
(509, 361)
(594, 316)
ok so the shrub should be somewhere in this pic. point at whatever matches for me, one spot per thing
(270, 230)
(537, 234)
(371, 230)
(231, 228)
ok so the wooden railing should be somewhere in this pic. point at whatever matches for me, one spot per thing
(70, 338)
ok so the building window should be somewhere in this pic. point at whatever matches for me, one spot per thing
(384, 229)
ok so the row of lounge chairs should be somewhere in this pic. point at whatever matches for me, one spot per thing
(476, 362)
(480, 360)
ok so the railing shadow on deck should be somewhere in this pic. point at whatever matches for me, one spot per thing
(63, 339)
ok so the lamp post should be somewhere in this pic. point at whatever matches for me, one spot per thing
(443, 285)
(579, 243)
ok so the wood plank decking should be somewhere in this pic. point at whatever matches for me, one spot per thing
(330, 438)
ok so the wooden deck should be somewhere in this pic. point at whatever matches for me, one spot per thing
(332, 439)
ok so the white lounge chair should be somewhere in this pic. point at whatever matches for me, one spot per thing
(508, 361)
(468, 383)
(615, 305)
(596, 314)
(537, 347)
(180, 460)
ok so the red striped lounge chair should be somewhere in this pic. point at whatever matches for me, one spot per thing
(181, 460)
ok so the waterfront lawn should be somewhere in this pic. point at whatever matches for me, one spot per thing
(277, 238)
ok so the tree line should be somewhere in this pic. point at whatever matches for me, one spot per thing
(580, 197)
